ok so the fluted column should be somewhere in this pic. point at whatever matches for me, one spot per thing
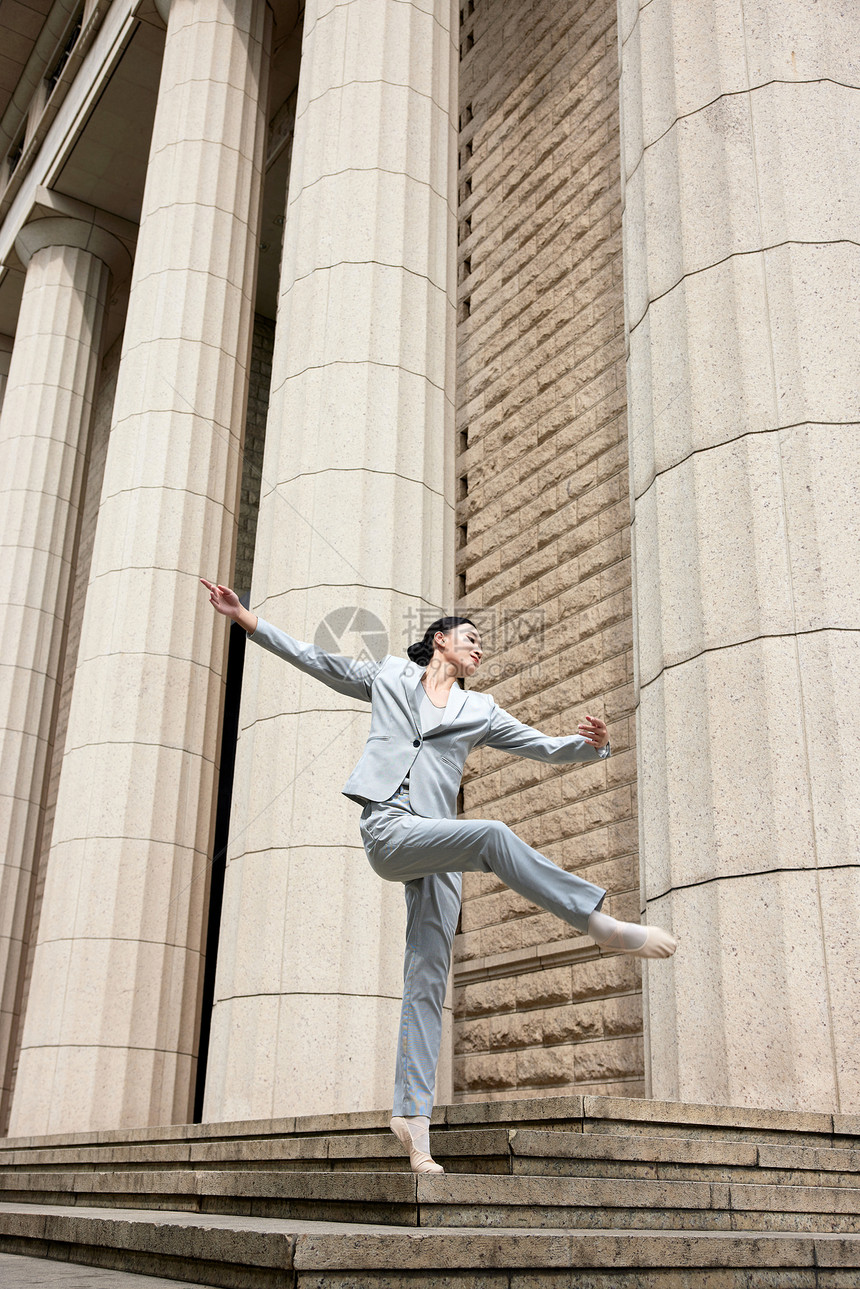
(43, 444)
(6, 343)
(355, 530)
(742, 255)
(110, 1031)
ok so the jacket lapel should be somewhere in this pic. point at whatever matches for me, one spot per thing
(412, 682)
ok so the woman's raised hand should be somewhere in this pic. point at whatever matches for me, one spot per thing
(222, 599)
(595, 732)
(225, 601)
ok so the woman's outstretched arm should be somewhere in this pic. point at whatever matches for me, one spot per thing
(510, 735)
(348, 676)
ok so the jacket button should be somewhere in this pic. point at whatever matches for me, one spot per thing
(416, 742)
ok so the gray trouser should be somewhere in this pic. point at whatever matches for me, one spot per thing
(429, 856)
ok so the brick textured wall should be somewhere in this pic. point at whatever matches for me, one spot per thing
(543, 522)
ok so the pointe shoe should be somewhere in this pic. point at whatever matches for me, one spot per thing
(419, 1159)
(658, 943)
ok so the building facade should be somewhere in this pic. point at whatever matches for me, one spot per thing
(381, 310)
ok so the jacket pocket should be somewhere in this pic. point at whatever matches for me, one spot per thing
(378, 736)
(449, 760)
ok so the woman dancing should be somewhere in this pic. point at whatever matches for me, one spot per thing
(423, 725)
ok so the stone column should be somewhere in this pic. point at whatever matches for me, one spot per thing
(110, 1032)
(742, 257)
(355, 529)
(43, 445)
(6, 343)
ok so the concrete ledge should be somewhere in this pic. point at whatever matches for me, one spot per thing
(473, 1200)
(222, 1250)
(655, 1115)
(572, 1113)
(489, 1150)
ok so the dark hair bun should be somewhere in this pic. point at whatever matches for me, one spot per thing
(422, 650)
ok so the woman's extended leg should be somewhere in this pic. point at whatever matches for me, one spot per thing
(402, 846)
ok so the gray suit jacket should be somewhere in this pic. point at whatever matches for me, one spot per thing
(396, 743)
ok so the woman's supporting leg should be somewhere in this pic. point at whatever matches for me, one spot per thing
(432, 909)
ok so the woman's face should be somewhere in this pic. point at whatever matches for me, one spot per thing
(460, 649)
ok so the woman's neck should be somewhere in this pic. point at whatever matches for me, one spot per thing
(438, 681)
(444, 698)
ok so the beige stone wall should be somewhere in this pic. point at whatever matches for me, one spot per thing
(544, 515)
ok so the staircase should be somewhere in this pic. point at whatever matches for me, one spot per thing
(601, 1192)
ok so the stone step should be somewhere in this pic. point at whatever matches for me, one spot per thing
(677, 1158)
(587, 1115)
(636, 1116)
(262, 1253)
(551, 1186)
(455, 1199)
(488, 1151)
